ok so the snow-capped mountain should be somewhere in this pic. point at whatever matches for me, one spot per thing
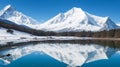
(78, 20)
(75, 20)
(11, 14)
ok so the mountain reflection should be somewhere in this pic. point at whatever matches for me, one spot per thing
(72, 54)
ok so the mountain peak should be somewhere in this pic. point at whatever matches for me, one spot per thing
(75, 9)
(8, 7)
(11, 14)
(107, 19)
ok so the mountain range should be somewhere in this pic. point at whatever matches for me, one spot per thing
(10, 13)
(74, 20)
(78, 20)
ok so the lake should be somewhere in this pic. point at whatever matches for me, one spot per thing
(61, 53)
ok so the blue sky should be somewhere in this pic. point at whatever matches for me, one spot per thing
(46, 9)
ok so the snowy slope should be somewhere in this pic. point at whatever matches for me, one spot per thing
(6, 25)
(13, 15)
(4, 33)
(77, 20)
(18, 30)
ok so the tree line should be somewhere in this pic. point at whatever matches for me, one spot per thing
(114, 33)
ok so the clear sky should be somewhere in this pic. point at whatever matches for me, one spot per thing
(46, 9)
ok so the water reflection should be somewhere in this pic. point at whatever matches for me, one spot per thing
(113, 61)
(36, 59)
(71, 53)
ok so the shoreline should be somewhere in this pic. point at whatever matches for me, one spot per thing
(6, 40)
(12, 38)
(114, 39)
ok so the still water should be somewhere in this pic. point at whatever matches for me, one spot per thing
(72, 53)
